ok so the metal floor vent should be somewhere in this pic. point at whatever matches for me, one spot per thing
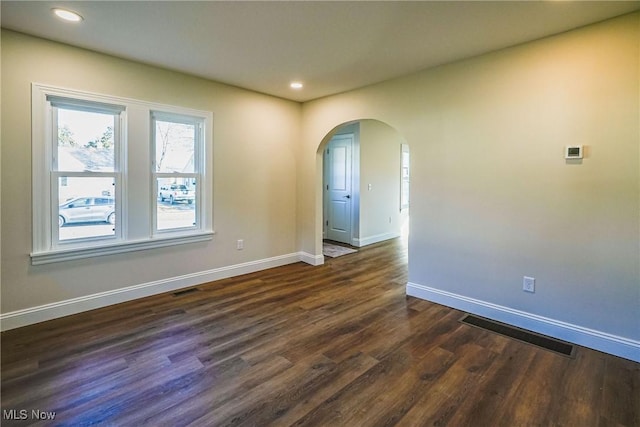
(523, 335)
(184, 292)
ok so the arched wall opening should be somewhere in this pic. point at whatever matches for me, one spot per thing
(377, 188)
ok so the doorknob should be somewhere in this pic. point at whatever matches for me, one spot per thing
(347, 196)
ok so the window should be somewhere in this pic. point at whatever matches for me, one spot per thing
(404, 177)
(88, 200)
(176, 170)
(85, 164)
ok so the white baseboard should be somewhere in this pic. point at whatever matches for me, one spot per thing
(29, 316)
(597, 340)
(311, 259)
(364, 241)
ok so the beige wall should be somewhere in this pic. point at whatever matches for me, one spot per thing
(255, 139)
(380, 167)
(493, 198)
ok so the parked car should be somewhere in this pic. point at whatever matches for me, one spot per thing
(87, 209)
(176, 193)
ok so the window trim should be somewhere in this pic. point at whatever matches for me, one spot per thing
(70, 254)
(43, 251)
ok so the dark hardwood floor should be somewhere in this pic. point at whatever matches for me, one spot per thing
(336, 345)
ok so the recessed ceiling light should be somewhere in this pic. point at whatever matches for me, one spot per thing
(296, 85)
(67, 15)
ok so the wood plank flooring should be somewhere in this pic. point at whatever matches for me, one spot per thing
(335, 345)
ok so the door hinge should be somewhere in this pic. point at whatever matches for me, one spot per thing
(327, 223)
(327, 186)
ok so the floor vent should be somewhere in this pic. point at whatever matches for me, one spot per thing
(186, 291)
(523, 335)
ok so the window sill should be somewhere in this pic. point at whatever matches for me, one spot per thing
(61, 255)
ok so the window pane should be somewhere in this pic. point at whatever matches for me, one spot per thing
(85, 141)
(86, 207)
(175, 147)
(176, 203)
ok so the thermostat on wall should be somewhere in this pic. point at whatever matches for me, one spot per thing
(573, 152)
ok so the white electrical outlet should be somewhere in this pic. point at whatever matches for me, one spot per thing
(240, 245)
(528, 284)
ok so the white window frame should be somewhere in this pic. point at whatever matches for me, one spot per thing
(198, 124)
(134, 226)
(405, 178)
(54, 103)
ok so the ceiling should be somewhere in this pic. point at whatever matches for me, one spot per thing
(331, 46)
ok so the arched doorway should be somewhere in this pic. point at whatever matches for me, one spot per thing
(365, 183)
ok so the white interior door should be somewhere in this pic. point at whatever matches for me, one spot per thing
(338, 188)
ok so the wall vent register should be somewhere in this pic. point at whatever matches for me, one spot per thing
(547, 343)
